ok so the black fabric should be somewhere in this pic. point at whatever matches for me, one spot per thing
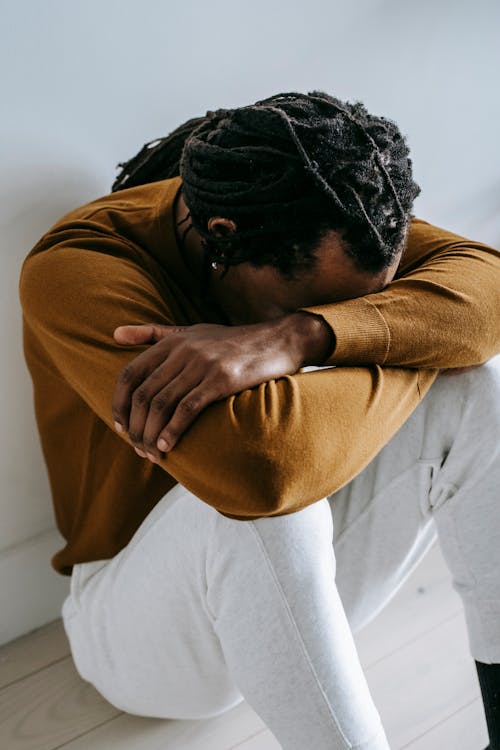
(489, 682)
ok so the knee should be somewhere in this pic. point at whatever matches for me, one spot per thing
(310, 527)
(486, 376)
(475, 436)
(201, 704)
(298, 541)
(483, 394)
(217, 706)
(469, 400)
(310, 524)
(183, 700)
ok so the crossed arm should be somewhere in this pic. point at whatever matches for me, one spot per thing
(163, 390)
(286, 442)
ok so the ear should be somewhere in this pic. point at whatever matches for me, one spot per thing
(220, 227)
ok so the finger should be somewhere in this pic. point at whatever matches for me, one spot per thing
(147, 333)
(131, 335)
(186, 412)
(162, 408)
(144, 394)
(131, 376)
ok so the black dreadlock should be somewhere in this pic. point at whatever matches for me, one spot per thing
(286, 170)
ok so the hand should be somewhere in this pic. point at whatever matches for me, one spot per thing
(161, 392)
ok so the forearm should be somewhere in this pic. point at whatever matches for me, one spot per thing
(443, 312)
(269, 450)
(285, 444)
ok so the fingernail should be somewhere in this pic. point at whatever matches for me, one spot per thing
(140, 453)
(118, 427)
(152, 458)
(162, 444)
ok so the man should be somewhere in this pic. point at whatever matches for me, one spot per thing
(245, 246)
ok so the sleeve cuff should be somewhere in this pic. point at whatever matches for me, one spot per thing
(361, 333)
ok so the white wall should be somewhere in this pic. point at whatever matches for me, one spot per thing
(87, 82)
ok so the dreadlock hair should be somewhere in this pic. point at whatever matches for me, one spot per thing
(286, 170)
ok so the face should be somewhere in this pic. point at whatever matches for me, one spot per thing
(251, 295)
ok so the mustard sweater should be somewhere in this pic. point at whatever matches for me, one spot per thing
(270, 450)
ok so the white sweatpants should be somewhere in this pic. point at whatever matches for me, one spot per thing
(200, 611)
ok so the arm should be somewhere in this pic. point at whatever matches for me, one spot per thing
(269, 450)
(442, 311)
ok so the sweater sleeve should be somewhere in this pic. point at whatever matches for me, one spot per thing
(442, 310)
(269, 450)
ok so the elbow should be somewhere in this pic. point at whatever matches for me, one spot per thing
(282, 478)
(246, 480)
(471, 334)
(266, 482)
(484, 342)
(263, 486)
(268, 458)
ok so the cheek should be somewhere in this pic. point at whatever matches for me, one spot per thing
(257, 302)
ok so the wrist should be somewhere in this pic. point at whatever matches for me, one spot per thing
(315, 338)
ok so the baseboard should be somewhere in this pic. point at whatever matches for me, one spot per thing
(31, 591)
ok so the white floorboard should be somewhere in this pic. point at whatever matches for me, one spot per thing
(463, 730)
(133, 732)
(31, 652)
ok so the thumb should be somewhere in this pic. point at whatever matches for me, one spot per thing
(140, 334)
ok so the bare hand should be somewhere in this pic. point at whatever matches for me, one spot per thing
(162, 391)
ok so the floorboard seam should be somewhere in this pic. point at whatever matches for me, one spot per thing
(442, 721)
(415, 638)
(36, 671)
(88, 731)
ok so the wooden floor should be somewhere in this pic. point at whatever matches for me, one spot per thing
(415, 656)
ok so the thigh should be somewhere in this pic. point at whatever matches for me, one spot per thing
(382, 522)
(138, 623)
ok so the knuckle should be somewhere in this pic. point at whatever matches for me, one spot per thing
(226, 378)
(159, 404)
(190, 405)
(223, 380)
(127, 374)
(228, 371)
(150, 444)
(140, 397)
(156, 374)
(233, 369)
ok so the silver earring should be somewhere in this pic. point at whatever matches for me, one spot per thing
(214, 265)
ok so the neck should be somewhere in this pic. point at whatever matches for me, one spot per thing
(188, 240)
(190, 247)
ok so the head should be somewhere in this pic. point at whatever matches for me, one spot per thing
(299, 192)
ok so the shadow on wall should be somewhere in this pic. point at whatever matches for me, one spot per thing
(478, 214)
(41, 181)
(33, 197)
(487, 214)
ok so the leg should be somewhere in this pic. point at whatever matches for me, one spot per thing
(439, 475)
(294, 659)
(243, 601)
(137, 623)
(464, 504)
(199, 611)
(465, 508)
